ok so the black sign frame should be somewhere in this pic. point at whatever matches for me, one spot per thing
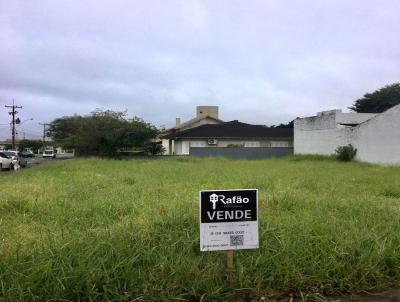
(240, 204)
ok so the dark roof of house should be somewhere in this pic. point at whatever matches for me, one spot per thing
(233, 129)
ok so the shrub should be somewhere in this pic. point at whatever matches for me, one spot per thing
(345, 153)
(154, 148)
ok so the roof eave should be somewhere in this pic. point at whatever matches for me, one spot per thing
(233, 137)
(192, 121)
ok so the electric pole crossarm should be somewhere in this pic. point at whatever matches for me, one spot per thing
(13, 113)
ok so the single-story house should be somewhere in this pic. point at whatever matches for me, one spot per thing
(205, 115)
(8, 143)
(217, 139)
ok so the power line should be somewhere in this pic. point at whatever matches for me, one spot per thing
(13, 113)
(31, 135)
(32, 132)
(44, 131)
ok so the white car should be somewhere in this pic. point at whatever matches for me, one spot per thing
(16, 158)
(5, 162)
(49, 153)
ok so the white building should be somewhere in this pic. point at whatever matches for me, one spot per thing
(205, 115)
(376, 136)
(207, 139)
(207, 135)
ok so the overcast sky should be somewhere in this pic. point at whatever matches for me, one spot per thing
(262, 62)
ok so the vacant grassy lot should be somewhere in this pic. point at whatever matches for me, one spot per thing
(125, 230)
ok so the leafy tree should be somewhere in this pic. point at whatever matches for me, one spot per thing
(378, 101)
(34, 144)
(288, 125)
(101, 133)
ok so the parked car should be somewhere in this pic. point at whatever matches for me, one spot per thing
(5, 162)
(27, 153)
(16, 158)
(49, 153)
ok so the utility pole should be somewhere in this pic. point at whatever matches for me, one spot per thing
(44, 131)
(13, 113)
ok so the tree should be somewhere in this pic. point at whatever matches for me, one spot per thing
(101, 133)
(378, 101)
(288, 125)
(34, 144)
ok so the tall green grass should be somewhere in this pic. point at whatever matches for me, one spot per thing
(128, 230)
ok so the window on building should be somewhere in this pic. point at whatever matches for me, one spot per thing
(251, 144)
(279, 144)
(198, 144)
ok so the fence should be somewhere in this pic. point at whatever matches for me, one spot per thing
(241, 152)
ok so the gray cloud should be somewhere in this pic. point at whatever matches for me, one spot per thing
(261, 61)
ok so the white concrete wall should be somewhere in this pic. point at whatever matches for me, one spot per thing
(165, 144)
(378, 139)
(319, 134)
(320, 141)
(320, 122)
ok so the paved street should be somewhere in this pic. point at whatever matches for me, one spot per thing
(38, 160)
(32, 162)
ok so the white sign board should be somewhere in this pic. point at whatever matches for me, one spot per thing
(228, 220)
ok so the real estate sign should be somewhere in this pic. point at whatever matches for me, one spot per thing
(228, 219)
